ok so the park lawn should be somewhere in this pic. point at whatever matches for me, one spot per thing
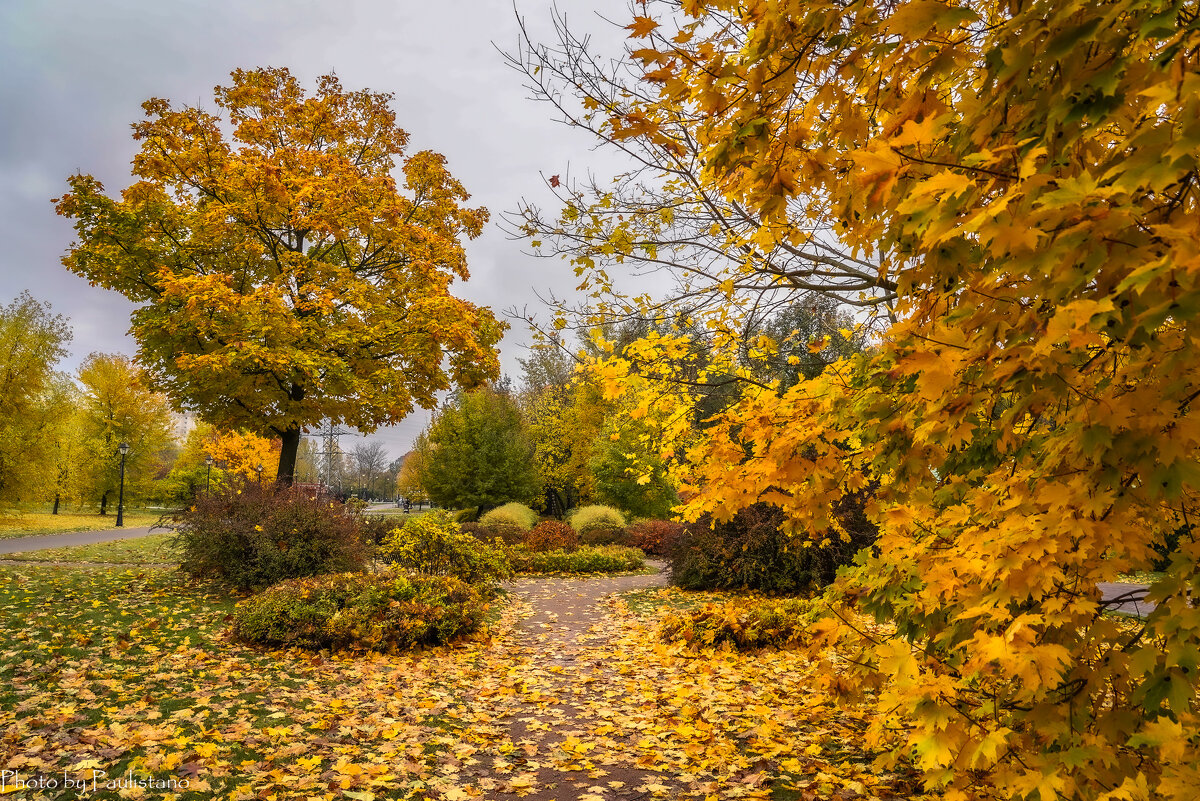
(119, 670)
(28, 524)
(154, 549)
(393, 511)
(132, 670)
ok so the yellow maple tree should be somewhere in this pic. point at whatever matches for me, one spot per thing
(284, 274)
(1024, 176)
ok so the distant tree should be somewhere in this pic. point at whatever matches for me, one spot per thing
(548, 404)
(308, 462)
(235, 456)
(391, 475)
(476, 453)
(370, 462)
(549, 366)
(32, 340)
(119, 406)
(65, 477)
(285, 272)
(408, 478)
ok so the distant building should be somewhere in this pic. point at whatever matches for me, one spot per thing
(182, 424)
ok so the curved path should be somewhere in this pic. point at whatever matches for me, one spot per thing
(42, 541)
(554, 722)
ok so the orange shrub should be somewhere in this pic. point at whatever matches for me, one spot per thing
(551, 535)
(655, 537)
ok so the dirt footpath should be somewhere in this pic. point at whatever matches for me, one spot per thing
(565, 743)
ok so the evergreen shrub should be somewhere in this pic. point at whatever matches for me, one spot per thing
(598, 525)
(511, 514)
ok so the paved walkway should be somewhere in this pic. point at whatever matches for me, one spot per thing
(37, 543)
(1131, 596)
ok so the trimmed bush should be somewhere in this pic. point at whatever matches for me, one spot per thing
(598, 525)
(741, 625)
(603, 559)
(434, 544)
(511, 514)
(465, 515)
(257, 536)
(655, 537)
(551, 535)
(509, 534)
(750, 552)
(386, 611)
(374, 528)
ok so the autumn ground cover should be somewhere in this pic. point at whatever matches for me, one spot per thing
(29, 523)
(132, 670)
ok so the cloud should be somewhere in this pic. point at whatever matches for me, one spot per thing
(75, 72)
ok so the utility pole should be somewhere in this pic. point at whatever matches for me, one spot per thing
(330, 452)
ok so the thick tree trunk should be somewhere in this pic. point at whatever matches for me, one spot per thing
(56, 499)
(104, 503)
(287, 457)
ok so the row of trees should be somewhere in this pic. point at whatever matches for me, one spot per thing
(59, 433)
(560, 440)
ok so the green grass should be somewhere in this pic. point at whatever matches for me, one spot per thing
(653, 601)
(1140, 578)
(29, 524)
(152, 550)
(132, 669)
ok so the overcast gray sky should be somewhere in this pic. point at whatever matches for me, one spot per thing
(73, 74)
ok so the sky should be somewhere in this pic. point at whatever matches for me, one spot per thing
(73, 75)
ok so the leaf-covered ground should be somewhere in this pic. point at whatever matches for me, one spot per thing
(130, 673)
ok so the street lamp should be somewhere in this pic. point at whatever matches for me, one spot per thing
(258, 467)
(124, 449)
(208, 460)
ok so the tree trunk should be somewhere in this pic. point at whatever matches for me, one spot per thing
(56, 499)
(104, 502)
(287, 457)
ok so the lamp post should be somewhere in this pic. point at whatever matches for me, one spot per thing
(259, 468)
(208, 460)
(124, 449)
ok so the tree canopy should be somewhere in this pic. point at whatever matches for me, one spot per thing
(476, 454)
(1022, 178)
(286, 273)
(117, 406)
(32, 340)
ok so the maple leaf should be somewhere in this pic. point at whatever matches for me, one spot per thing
(641, 27)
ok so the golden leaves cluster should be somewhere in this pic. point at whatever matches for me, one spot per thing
(1026, 174)
(293, 264)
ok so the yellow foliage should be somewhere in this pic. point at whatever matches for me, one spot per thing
(290, 263)
(1026, 175)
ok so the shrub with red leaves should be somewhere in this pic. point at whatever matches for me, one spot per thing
(655, 537)
(551, 535)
